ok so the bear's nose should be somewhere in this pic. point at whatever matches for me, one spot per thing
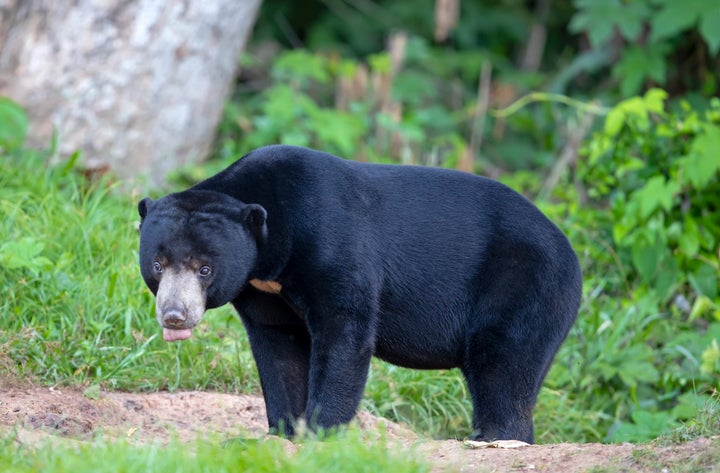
(174, 318)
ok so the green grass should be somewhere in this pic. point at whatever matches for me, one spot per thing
(432, 402)
(705, 424)
(347, 452)
(76, 309)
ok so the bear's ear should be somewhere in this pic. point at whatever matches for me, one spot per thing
(254, 217)
(144, 206)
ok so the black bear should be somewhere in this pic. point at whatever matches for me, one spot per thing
(329, 262)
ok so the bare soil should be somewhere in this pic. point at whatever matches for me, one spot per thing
(67, 415)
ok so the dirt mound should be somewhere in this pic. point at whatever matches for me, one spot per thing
(66, 413)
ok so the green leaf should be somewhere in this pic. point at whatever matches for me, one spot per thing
(631, 19)
(700, 167)
(636, 109)
(646, 257)
(624, 228)
(13, 124)
(710, 28)
(707, 237)
(711, 358)
(302, 66)
(639, 64)
(632, 372)
(705, 280)
(690, 238)
(646, 425)
(614, 121)
(655, 100)
(605, 369)
(337, 128)
(295, 138)
(380, 62)
(701, 307)
(657, 193)
(24, 253)
(688, 405)
(675, 17)
(597, 18)
(667, 276)
(617, 117)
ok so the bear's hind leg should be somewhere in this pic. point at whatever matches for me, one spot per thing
(497, 413)
(504, 376)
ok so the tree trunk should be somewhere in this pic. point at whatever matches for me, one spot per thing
(136, 85)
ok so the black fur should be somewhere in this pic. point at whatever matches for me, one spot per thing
(422, 267)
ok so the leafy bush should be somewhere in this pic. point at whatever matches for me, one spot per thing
(651, 31)
(646, 345)
(422, 109)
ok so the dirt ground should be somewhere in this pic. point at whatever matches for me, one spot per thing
(66, 414)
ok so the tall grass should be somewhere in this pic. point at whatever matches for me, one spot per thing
(705, 424)
(434, 402)
(74, 306)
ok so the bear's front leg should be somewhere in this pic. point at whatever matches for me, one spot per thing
(342, 345)
(281, 347)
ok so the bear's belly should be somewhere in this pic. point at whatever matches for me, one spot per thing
(409, 356)
(419, 346)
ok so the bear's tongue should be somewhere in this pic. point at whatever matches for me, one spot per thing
(171, 335)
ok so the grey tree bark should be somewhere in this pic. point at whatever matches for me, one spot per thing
(136, 85)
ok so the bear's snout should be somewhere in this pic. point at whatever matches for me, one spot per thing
(174, 318)
(180, 303)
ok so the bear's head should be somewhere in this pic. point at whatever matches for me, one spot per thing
(197, 251)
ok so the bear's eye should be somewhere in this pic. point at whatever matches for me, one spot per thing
(157, 267)
(205, 271)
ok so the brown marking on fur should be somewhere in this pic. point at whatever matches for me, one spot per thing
(271, 287)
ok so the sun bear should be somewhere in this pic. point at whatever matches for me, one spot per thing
(330, 262)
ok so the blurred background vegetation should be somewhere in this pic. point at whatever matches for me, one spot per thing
(414, 81)
(603, 112)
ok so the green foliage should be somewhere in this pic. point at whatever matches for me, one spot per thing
(358, 29)
(705, 424)
(645, 56)
(674, 17)
(368, 109)
(640, 64)
(434, 402)
(349, 451)
(600, 19)
(653, 178)
(75, 307)
(645, 425)
(24, 253)
(287, 112)
(659, 171)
